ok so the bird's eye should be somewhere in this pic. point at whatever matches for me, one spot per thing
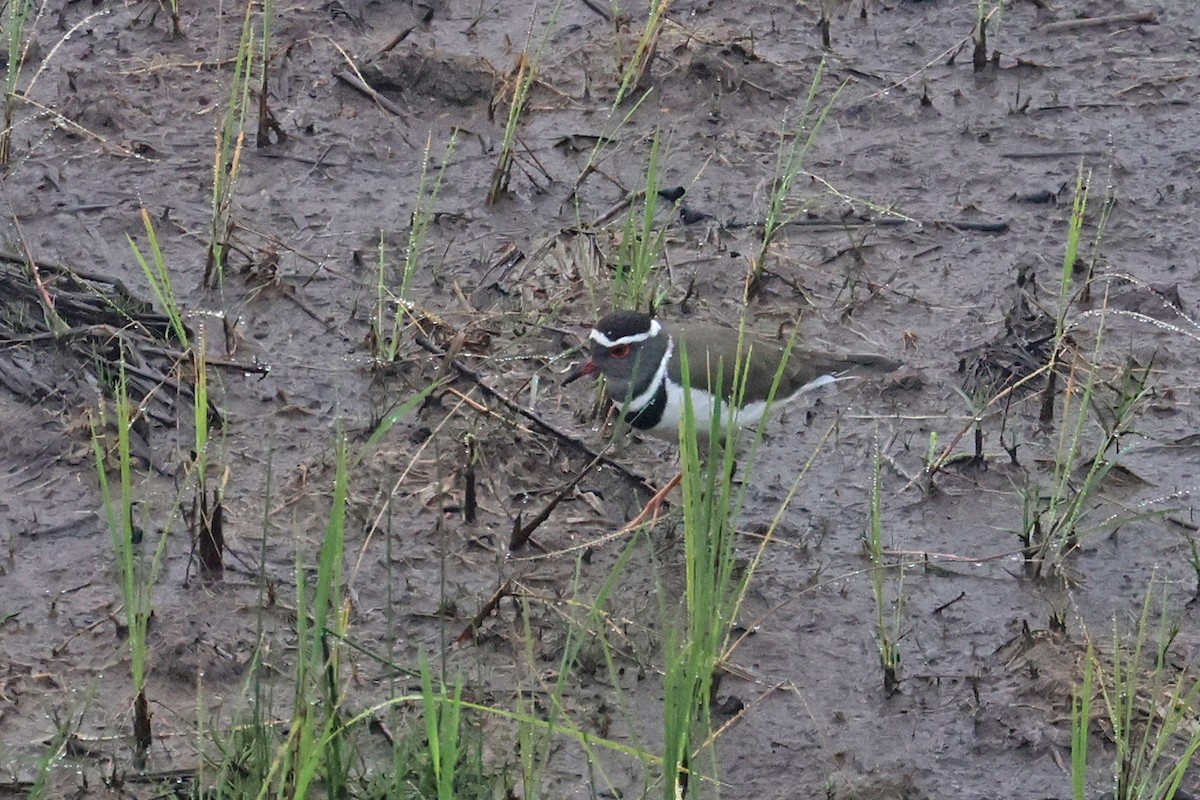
(619, 351)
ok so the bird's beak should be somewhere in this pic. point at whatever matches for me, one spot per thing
(586, 368)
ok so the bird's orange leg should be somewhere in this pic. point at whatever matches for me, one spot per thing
(650, 512)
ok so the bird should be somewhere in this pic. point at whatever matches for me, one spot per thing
(639, 356)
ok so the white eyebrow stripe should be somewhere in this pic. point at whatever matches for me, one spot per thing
(602, 340)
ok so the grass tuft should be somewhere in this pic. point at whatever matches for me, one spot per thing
(159, 277)
(635, 71)
(19, 15)
(227, 155)
(789, 166)
(386, 327)
(135, 576)
(443, 719)
(635, 285)
(1150, 705)
(1081, 720)
(524, 76)
(1052, 527)
(697, 646)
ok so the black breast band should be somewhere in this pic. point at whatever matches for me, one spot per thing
(652, 413)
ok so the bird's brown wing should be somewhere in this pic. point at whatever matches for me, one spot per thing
(704, 348)
(806, 366)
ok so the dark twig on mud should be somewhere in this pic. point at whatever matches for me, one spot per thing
(949, 603)
(462, 369)
(1053, 153)
(820, 223)
(470, 501)
(90, 277)
(671, 195)
(1137, 17)
(210, 538)
(614, 210)
(393, 43)
(236, 366)
(521, 533)
(316, 164)
(354, 81)
(488, 607)
(320, 161)
(927, 556)
(976, 227)
(598, 9)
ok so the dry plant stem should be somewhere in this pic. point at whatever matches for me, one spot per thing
(926, 555)
(392, 44)
(610, 214)
(47, 301)
(979, 56)
(488, 607)
(591, 544)
(1137, 17)
(211, 545)
(110, 333)
(141, 723)
(475, 405)
(400, 479)
(768, 538)
(117, 284)
(355, 81)
(112, 617)
(939, 58)
(470, 501)
(77, 300)
(521, 533)
(56, 323)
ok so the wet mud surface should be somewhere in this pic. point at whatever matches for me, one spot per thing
(930, 226)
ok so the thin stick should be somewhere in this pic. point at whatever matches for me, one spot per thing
(925, 555)
(1139, 17)
(352, 80)
(521, 535)
(488, 607)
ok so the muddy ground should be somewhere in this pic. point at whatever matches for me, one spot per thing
(933, 185)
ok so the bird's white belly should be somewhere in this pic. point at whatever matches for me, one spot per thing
(702, 412)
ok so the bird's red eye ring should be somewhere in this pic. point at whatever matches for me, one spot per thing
(619, 351)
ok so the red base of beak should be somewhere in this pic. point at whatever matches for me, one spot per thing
(586, 368)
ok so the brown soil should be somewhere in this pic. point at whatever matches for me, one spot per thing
(935, 189)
